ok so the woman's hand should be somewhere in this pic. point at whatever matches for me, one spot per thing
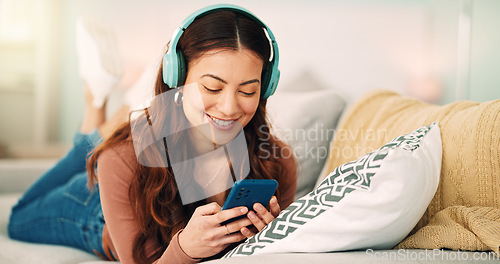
(204, 236)
(262, 218)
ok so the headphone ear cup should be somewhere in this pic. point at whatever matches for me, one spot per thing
(182, 69)
(273, 82)
(266, 74)
(170, 71)
(270, 78)
(174, 69)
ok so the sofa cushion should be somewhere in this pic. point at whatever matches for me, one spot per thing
(372, 202)
(305, 120)
(16, 175)
(470, 171)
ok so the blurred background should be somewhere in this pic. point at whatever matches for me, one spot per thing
(437, 50)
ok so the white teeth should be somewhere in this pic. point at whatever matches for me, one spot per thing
(222, 123)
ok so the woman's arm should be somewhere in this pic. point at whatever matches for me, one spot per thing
(202, 237)
(115, 173)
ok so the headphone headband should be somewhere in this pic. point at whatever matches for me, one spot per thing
(173, 67)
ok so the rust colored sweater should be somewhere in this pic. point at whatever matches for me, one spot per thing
(115, 170)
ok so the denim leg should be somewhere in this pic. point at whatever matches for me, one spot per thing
(74, 162)
(69, 215)
(59, 208)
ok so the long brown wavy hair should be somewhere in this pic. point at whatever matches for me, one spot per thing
(153, 192)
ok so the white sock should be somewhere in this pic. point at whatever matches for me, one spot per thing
(98, 59)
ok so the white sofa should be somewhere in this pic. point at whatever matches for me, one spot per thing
(17, 175)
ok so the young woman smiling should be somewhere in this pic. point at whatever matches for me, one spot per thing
(226, 53)
(220, 92)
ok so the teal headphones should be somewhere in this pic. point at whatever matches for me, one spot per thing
(174, 65)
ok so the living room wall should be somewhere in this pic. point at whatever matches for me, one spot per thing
(437, 50)
(349, 46)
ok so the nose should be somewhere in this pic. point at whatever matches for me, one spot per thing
(228, 104)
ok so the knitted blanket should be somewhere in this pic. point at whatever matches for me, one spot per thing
(465, 211)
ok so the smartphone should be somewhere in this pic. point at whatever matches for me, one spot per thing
(247, 193)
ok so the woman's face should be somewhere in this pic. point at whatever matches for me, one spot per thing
(227, 94)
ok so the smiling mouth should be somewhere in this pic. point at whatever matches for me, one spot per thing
(220, 123)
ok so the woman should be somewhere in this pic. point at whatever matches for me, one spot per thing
(226, 55)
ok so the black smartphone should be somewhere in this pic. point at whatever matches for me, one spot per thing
(247, 193)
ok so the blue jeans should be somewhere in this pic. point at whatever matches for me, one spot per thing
(59, 208)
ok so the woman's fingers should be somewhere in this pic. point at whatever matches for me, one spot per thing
(204, 236)
(254, 222)
(265, 215)
(228, 214)
(238, 224)
(262, 217)
(207, 209)
(233, 238)
(219, 216)
(274, 206)
(246, 232)
(229, 228)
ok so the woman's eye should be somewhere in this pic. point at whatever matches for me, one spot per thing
(211, 90)
(247, 94)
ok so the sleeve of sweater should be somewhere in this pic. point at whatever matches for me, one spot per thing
(115, 172)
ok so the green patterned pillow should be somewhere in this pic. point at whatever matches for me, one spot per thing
(373, 202)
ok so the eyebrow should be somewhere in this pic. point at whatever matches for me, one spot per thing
(225, 82)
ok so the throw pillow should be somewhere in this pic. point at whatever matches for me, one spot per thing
(372, 202)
